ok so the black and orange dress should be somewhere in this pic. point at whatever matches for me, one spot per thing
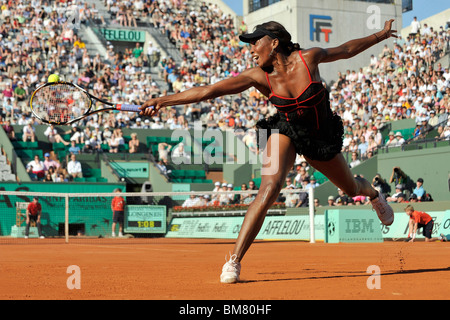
(308, 120)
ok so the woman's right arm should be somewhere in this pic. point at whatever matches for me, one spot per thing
(248, 78)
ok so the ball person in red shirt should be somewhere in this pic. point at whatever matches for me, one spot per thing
(419, 219)
(117, 207)
(34, 211)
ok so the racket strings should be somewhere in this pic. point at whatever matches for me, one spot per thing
(60, 103)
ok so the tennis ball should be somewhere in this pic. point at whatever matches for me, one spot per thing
(53, 78)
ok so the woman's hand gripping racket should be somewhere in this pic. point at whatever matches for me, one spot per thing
(63, 103)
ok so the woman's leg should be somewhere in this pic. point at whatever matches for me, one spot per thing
(338, 172)
(278, 158)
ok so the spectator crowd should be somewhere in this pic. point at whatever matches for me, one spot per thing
(37, 38)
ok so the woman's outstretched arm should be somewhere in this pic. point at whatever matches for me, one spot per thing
(353, 47)
(248, 78)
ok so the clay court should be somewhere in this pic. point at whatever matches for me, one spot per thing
(187, 269)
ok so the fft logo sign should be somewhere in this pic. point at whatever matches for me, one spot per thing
(319, 24)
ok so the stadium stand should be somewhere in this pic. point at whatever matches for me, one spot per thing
(404, 89)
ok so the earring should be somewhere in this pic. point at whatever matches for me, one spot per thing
(271, 53)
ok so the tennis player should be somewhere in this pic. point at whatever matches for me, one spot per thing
(304, 124)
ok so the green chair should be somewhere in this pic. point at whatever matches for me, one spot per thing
(58, 146)
(25, 145)
(151, 140)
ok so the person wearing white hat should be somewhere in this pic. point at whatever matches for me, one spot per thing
(157, 124)
(400, 140)
(138, 124)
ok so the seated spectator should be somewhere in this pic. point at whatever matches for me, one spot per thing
(317, 203)
(331, 201)
(399, 139)
(29, 133)
(9, 130)
(342, 198)
(419, 191)
(133, 144)
(53, 136)
(157, 124)
(77, 135)
(163, 151)
(301, 175)
(20, 93)
(359, 200)
(179, 152)
(398, 192)
(74, 149)
(291, 198)
(162, 167)
(36, 167)
(192, 201)
(303, 200)
(50, 162)
(74, 167)
(372, 145)
(401, 198)
(445, 134)
(355, 161)
(413, 198)
(61, 178)
(312, 183)
(392, 142)
(115, 141)
(48, 178)
(106, 134)
(363, 146)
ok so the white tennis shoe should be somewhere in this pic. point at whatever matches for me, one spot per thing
(231, 270)
(383, 210)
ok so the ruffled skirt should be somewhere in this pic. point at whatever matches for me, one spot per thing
(318, 140)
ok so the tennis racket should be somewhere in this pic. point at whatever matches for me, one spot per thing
(63, 103)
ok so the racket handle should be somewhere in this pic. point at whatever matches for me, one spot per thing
(128, 107)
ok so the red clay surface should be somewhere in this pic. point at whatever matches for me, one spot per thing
(186, 269)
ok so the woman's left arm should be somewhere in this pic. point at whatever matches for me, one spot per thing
(353, 47)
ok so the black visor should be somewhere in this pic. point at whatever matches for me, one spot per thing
(255, 35)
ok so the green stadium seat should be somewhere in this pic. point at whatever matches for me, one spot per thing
(105, 147)
(124, 148)
(92, 172)
(200, 174)
(25, 145)
(101, 179)
(58, 146)
(79, 179)
(190, 174)
(151, 140)
(30, 153)
(178, 174)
